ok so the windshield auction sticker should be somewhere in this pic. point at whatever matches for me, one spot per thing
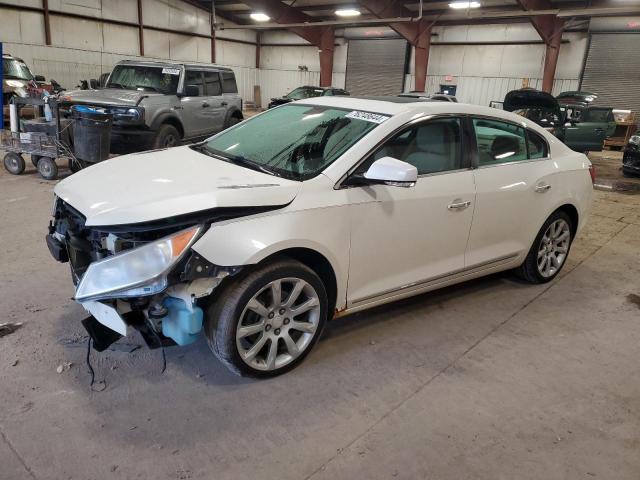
(171, 71)
(367, 117)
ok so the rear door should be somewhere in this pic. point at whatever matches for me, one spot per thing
(514, 191)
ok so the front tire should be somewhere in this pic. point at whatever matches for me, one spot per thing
(549, 251)
(266, 322)
(167, 137)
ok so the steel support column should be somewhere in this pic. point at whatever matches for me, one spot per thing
(140, 29)
(550, 28)
(47, 22)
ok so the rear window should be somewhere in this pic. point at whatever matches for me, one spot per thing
(229, 82)
(212, 85)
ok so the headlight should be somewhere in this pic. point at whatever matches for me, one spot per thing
(137, 272)
(635, 139)
(130, 114)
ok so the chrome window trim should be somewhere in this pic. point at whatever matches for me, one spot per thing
(515, 162)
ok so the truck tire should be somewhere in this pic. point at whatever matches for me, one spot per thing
(168, 136)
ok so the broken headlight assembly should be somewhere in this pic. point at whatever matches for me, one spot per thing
(140, 271)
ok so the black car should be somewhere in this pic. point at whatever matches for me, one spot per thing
(631, 157)
(301, 93)
(439, 97)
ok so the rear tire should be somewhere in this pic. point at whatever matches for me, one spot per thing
(168, 136)
(231, 121)
(48, 168)
(252, 326)
(14, 163)
(549, 251)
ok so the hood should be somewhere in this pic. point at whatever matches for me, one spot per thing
(576, 98)
(529, 98)
(107, 96)
(165, 183)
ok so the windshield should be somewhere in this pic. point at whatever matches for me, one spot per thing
(293, 141)
(15, 69)
(305, 92)
(144, 78)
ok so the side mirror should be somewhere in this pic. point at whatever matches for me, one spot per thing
(39, 78)
(191, 91)
(391, 171)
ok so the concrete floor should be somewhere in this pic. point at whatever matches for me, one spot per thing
(492, 379)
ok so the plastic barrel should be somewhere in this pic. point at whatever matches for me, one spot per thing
(91, 133)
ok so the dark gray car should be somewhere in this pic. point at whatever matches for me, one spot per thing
(158, 105)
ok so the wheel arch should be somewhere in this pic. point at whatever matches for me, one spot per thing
(572, 211)
(317, 262)
(168, 119)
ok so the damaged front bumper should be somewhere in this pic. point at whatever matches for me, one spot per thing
(151, 281)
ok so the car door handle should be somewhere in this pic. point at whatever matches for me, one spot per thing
(205, 105)
(459, 205)
(224, 104)
(542, 187)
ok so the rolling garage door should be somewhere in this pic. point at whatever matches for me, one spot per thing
(612, 70)
(376, 66)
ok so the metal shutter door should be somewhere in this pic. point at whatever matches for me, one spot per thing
(612, 70)
(376, 66)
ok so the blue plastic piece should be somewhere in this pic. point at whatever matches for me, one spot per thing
(181, 325)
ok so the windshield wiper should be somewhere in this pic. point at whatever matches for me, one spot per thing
(116, 85)
(237, 159)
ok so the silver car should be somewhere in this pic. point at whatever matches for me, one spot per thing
(159, 105)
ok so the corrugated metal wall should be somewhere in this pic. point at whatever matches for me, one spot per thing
(612, 70)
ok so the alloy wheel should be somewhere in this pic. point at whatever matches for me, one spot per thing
(278, 324)
(553, 248)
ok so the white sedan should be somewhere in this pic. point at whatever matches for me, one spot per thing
(312, 210)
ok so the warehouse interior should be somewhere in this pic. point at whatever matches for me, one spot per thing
(485, 378)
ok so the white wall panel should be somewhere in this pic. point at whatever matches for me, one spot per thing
(125, 10)
(74, 33)
(120, 39)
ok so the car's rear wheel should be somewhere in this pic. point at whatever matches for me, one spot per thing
(549, 251)
(266, 322)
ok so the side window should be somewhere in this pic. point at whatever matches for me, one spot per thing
(194, 77)
(499, 142)
(433, 146)
(212, 86)
(229, 82)
(537, 145)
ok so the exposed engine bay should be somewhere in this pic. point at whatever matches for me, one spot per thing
(166, 303)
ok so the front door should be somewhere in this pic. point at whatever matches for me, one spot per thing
(216, 109)
(194, 108)
(402, 238)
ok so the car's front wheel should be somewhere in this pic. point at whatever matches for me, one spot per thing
(549, 251)
(266, 322)
(168, 136)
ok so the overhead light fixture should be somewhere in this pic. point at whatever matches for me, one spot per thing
(347, 12)
(461, 5)
(260, 17)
